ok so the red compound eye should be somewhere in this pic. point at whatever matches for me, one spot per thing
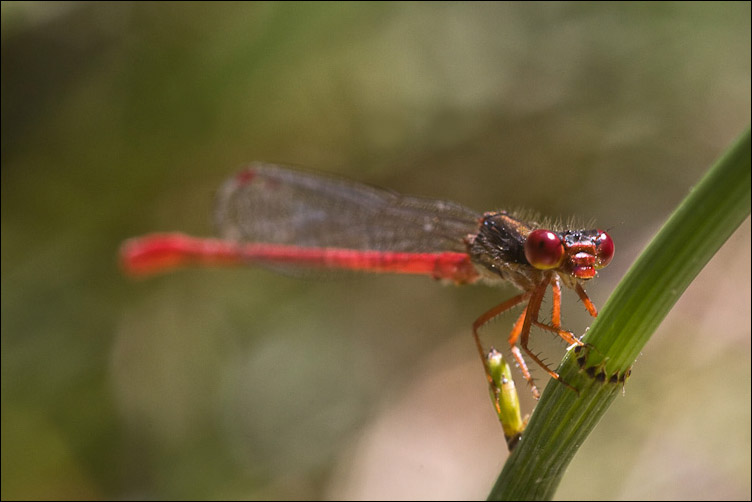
(544, 249)
(604, 249)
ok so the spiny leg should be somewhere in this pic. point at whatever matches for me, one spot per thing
(484, 319)
(555, 325)
(586, 300)
(514, 335)
(565, 335)
(556, 302)
(531, 317)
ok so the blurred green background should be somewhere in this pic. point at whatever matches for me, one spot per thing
(122, 119)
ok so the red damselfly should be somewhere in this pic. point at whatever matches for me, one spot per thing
(284, 218)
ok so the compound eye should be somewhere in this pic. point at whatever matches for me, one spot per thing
(604, 249)
(544, 249)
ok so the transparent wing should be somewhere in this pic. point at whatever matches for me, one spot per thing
(269, 203)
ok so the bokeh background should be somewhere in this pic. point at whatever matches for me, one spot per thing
(122, 119)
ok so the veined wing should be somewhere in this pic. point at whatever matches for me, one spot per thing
(273, 204)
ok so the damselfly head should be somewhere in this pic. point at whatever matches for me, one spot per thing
(578, 253)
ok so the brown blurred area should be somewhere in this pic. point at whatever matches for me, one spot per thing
(120, 119)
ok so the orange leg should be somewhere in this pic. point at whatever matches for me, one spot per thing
(586, 300)
(555, 325)
(533, 308)
(556, 302)
(527, 319)
(485, 318)
(567, 336)
(514, 335)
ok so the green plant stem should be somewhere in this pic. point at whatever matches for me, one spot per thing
(563, 419)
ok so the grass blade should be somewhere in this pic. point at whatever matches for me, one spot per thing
(706, 218)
